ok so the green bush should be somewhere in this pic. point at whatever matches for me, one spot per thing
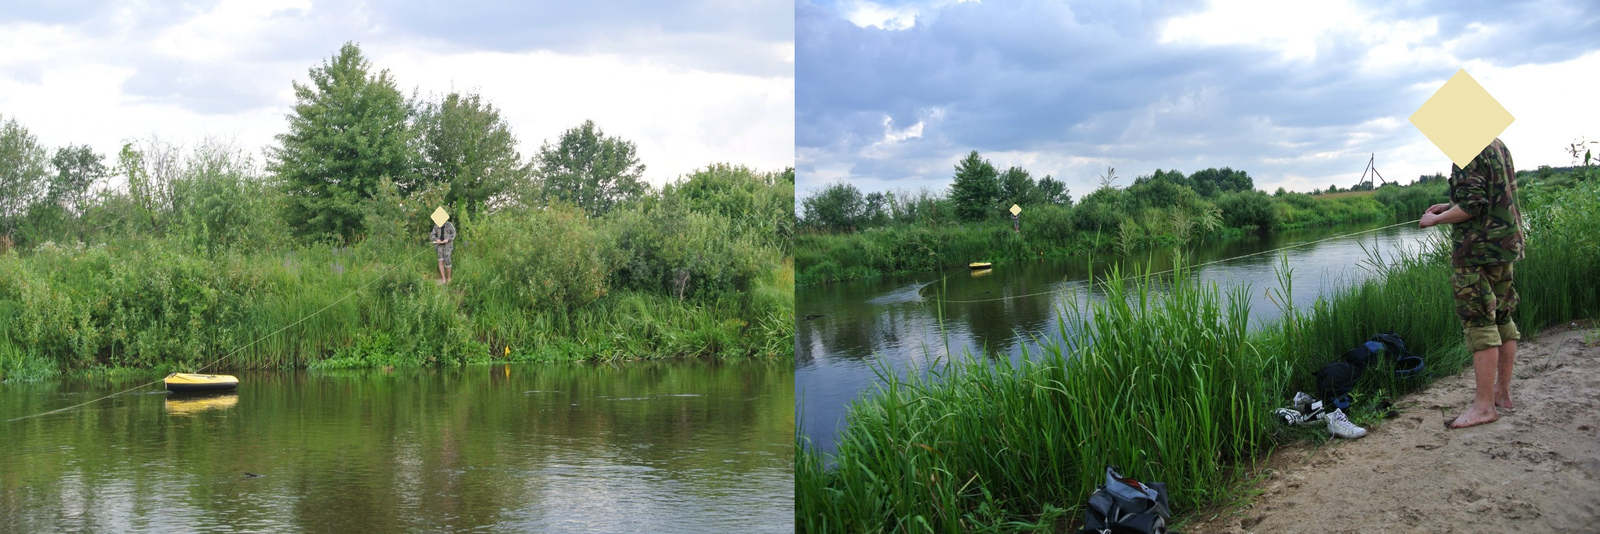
(1101, 210)
(759, 206)
(675, 251)
(222, 203)
(1252, 208)
(539, 259)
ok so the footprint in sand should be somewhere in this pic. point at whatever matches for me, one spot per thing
(1519, 510)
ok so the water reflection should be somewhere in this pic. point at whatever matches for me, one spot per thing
(193, 404)
(643, 447)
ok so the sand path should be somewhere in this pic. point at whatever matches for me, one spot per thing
(1536, 469)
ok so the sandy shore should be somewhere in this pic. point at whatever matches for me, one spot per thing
(1536, 469)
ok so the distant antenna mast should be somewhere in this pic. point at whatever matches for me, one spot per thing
(1372, 168)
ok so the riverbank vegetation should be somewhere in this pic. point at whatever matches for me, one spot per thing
(847, 235)
(1173, 385)
(171, 257)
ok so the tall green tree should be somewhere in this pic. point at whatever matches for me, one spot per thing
(466, 144)
(590, 169)
(23, 171)
(1017, 187)
(1053, 191)
(837, 207)
(349, 129)
(976, 188)
(77, 168)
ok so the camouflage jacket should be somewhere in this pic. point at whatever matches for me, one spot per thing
(447, 232)
(1487, 191)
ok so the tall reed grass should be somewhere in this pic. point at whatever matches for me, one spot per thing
(161, 304)
(1172, 386)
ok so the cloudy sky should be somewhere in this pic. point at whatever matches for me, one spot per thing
(691, 83)
(889, 95)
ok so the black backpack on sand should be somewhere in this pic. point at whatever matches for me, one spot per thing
(1124, 505)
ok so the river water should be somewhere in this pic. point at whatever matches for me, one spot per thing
(634, 447)
(846, 329)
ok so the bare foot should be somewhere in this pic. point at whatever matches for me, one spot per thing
(1474, 417)
(1502, 399)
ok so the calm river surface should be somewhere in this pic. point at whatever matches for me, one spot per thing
(887, 322)
(634, 447)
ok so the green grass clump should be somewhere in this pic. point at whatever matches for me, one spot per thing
(1173, 386)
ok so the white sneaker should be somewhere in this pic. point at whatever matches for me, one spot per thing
(1341, 427)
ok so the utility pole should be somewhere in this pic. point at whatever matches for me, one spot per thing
(1372, 168)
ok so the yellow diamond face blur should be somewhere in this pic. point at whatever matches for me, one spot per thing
(1015, 209)
(1461, 118)
(439, 216)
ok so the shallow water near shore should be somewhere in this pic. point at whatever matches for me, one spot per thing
(635, 447)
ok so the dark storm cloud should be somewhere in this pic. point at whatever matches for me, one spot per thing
(1093, 80)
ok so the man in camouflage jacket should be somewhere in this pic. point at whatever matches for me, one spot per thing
(444, 242)
(1486, 230)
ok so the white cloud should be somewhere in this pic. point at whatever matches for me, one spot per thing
(226, 30)
(681, 119)
(123, 79)
(1552, 103)
(1292, 28)
(869, 14)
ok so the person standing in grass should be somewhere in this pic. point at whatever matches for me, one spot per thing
(444, 239)
(1486, 230)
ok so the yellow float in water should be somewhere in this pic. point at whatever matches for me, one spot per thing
(980, 265)
(187, 383)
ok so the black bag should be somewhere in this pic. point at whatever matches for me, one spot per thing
(1336, 379)
(1124, 505)
(1360, 357)
(1406, 365)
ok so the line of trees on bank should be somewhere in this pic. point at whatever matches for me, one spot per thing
(851, 235)
(980, 192)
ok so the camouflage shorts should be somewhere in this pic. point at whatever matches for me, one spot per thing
(1485, 300)
(444, 253)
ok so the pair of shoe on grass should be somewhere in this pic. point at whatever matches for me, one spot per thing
(1309, 410)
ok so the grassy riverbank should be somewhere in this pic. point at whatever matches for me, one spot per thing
(689, 271)
(923, 234)
(1173, 387)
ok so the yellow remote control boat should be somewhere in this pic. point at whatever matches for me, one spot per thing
(189, 383)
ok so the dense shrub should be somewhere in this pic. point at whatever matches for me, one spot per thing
(1101, 210)
(221, 202)
(759, 206)
(1410, 201)
(542, 259)
(1247, 209)
(686, 254)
